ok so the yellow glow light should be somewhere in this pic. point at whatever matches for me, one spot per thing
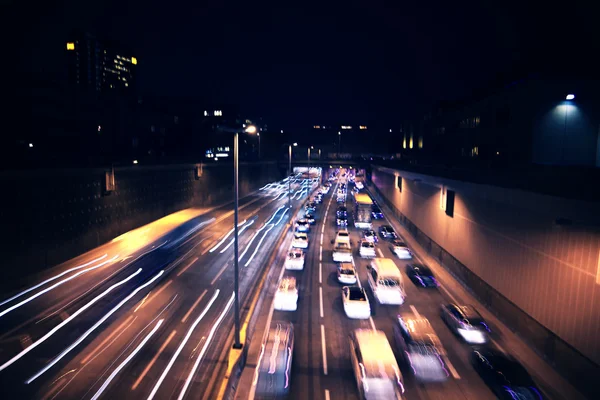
(134, 60)
(70, 46)
(363, 127)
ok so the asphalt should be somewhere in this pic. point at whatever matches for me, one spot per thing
(149, 319)
(321, 367)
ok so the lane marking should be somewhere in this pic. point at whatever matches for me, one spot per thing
(372, 323)
(320, 253)
(379, 252)
(452, 369)
(185, 317)
(498, 346)
(108, 338)
(219, 274)
(151, 363)
(321, 301)
(414, 310)
(449, 294)
(320, 272)
(323, 349)
(187, 266)
(327, 394)
(157, 293)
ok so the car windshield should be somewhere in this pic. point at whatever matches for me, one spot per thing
(369, 233)
(376, 210)
(368, 244)
(356, 294)
(389, 282)
(423, 270)
(512, 371)
(343, 234)
(399, 244)
(347, 271)
(301, 237)
(295, 255)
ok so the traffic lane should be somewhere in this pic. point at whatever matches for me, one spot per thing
(463, 381)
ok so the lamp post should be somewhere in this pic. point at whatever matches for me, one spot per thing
(339, 143)
(567, 103)
(258, 134)
(290, 173)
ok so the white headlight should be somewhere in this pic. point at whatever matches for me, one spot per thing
(472, 336)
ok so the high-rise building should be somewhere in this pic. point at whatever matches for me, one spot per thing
(99, 65)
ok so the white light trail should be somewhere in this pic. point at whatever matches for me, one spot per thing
(183, 342)
(233, 240)
(258, 245)
(282, 215)
(27, 300)
(225, 238)
(206, 344)
(259, 231)
(124, 363)
(66, 321)
(89, 331)
(188, 233)
(53, 278)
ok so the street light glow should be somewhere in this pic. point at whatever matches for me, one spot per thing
(340, 133)
(570, 96)
(295, 144)
(135, 161)
(30, 145)
(251, 129)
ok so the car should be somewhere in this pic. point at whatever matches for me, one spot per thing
(370, 235)
(359, 185)
(310, 217)
(421, 275)
(376, 212)
(311, 206)
(401, 250)
(286, 296)
(295, 259)
(325, 189)
(300, 240)
(346, 273)
(504, 375)
(465, 322)
(366, 249)
(341, 221)
(273, 374)
(387, 232)
(341, 211)
(317, 199)
(356, 302)
(302, 225)
(342, 236)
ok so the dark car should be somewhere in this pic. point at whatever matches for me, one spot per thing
(465, 322)
(342, 211)
(376, 212)
(310, 206)
(387, 232)
(310, 217)
(342, 221)
(504, 375)
(421, 275)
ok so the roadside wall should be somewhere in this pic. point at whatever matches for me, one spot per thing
(532, 259)
(49, 216)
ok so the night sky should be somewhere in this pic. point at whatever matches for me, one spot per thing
(302, 63)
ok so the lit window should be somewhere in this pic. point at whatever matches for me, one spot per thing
(410, 143)
(126, 84)
(420, 142)
(218, 113)
(346, 127)
(30, 145)
(134, 60)
(205, 113)
(363, 127)
(404, 141)
(70, 46)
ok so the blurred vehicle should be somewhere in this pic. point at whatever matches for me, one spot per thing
(400, 249)
(309, 217)
(346, 273)
(302, 225)
(366, 249)
(356, 303)
(310, 207)
(376, 212)
(342, 252)
(374, 365)
(325, 189)
(341, 221)
(300, 240)
(421, 275)
(342, 236)
(272, 377)
(359, 185)
(341, 211)
(341, 198)
(385, 281)
(466, 322)
(286, 296)
(317, 199)
(295, 259)
(421, 348)
(504, 375)
(370, 235)
(362, 211)
(387, 232)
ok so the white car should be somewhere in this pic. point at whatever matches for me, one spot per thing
(346, 273)
(300, 240)
(370, 236)
(356, 302)
(401, 250)
(295, 260)
(325, 189)
(286, 297)
(367, 249)
(302, 225)
(342, 236)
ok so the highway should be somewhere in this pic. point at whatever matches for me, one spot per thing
(146, 316)
(321, 367)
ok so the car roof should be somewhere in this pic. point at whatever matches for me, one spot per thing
(419, 329)
(422, 268)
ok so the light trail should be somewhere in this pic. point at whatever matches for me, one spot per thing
(151, 363)
(124, 363)
(232, 240)
(206, 344)
(27, 300)
(226, 236)
(181, 345)
(66, 321)
(258, 232)
(93, 328)
(51, 279)
(258, 245)
(188, 233)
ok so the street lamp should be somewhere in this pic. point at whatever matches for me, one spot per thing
(339, 143)
(258, 134)
(290, 174)
(570, 96)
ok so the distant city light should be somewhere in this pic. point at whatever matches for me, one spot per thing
(218, 113)
(570, 96)
(497, 153)
(30, 144)
(390, 130)
(317, 126)
(99, 128)
(134, 60)
(243, 125)
(205, 113)
(295, 144)
(221, 155)
(251, 129)
(339, 133)
(346, 127)
(70, 46)
(282, 131)
(135, 161)
(216, 159)
(363, 127)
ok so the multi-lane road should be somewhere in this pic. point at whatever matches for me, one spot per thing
(146, 316)
(321, 367)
